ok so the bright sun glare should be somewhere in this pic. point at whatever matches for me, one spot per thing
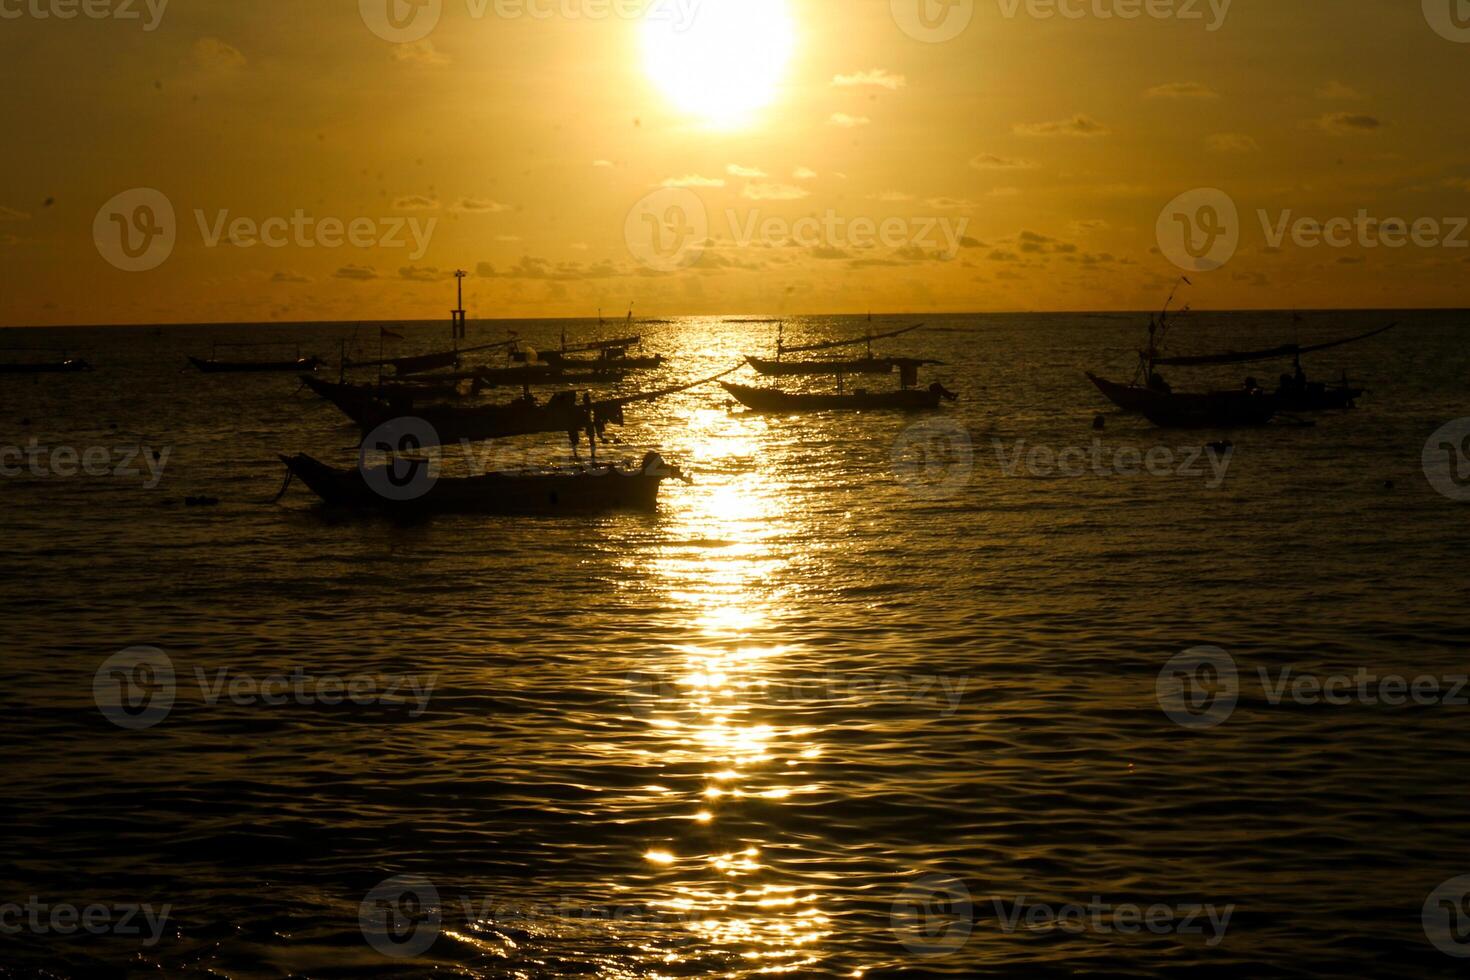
(718, 60)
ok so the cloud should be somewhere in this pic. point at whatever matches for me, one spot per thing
(804, 173)
(848, 122)
(290, 277)
(999, 255)
(11, 214)
(359, 273)
(1003, 191)
(694, 180)
(876, 77)
(1456, 183)
(479, 205)
(893, 197)
(1349, 122)
(415, 273)
(989, 161)
(828, 252)
(1078, 125)
(736, 170)
(1086, 226)
(212, 54)
(1338, 91)
(602, 163)
(420, 53)
(774, 192)
(530, 267)
(581, 246)
(415, 202)
(1181, 90)
(1232, 143)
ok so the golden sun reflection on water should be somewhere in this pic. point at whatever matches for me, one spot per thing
(726, 534)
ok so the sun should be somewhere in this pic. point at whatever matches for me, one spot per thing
(719, 61)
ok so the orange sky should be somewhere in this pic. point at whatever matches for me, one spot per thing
(225, 161)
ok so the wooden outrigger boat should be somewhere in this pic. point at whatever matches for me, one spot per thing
(1151, 396)
(903, 399)
(213, 366)
(868, 364)
(585, 488)
(71, 365)
(589, 488)
(611, 353)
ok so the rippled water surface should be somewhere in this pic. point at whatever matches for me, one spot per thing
(767, 728)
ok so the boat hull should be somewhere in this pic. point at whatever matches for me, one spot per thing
(1184, 410)
(585, 491)
(771, 400)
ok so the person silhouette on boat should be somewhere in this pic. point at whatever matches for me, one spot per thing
(1157, 383)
